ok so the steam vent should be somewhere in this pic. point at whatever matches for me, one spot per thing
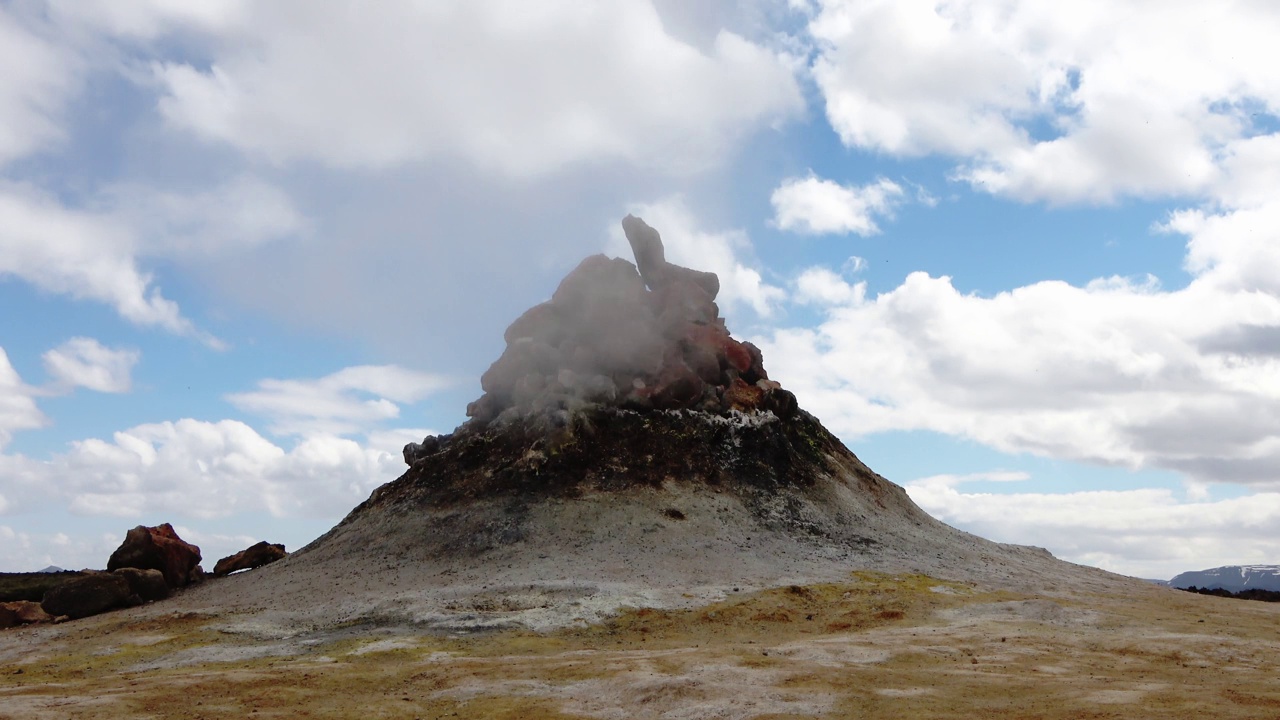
(627, 451)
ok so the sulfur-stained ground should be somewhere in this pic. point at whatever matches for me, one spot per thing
(874, 646)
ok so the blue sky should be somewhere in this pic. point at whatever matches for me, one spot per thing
(1021, 256)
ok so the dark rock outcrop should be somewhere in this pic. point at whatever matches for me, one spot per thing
(90, 595)
(148, 585)
(157, 548)
(257, 555)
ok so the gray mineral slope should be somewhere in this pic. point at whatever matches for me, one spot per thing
(544, 561)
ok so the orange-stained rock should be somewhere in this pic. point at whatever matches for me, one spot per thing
(743, 397)
(27, 612)
(157, 548)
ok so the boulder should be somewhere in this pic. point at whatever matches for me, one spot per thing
(148, 585)
(157, 548)
(414, 452)
(89, 595)
(26, 611)
(8, 618)
(251, 557)
(646, 245)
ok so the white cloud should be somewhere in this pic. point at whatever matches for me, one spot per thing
(516, 88)
(148, 19)
(351, 400)
(215, 469)
(820, 286)
(38, 80)
(84, 362)
(818, 207)
(1117, 372)
(84, 255)
(18, 410)
(22, 551)
(1082, 101)
(239, 213)
(727, 254)
(97, 254)
(1146, 533)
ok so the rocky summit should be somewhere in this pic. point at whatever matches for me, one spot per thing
(643, 336)
(627, 451)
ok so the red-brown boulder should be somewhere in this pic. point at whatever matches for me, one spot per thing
(157, 548)
(262, 553)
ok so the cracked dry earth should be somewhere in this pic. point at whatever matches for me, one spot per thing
(872, 645)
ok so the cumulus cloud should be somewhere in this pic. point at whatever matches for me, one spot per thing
(520, 90)
(1147, 533)
(728, 254)
(84, 362)
(1064, 102)
(239, 213)
(1117, 372)
(39, 78)
(352, 400)
(817, 207)
(23, 551)
(18, 410)
(81, 254)
(214, 469)
(97, 253)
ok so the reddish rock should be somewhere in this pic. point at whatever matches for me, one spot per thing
(677, 387)
(148, 585)
(737, 356)
(704, 362)
(26, 612)
(743, 397)
(89, 595)
(251, 557)
(8, 618)
(714, 337)
(157, 548)
(604, 339)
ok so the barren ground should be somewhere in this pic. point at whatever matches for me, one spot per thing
(872, 645)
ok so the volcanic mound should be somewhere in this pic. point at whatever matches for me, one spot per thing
(627, 450)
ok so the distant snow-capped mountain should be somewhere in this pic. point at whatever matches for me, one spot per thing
(1232, 577)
